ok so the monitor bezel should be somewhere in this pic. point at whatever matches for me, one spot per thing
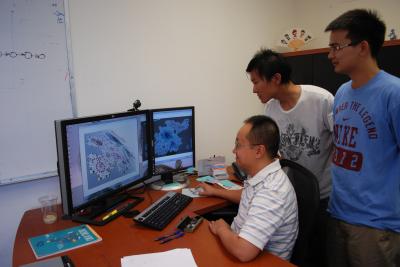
(67, 202)
(152, 138)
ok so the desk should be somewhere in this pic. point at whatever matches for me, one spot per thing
(123, 237)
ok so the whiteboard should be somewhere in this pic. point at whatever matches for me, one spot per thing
(36, 86)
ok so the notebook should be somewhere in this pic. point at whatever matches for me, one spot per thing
(63, 240)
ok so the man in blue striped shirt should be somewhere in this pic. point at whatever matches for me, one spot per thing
(267, 217)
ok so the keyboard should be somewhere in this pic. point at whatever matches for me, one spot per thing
(163, 211)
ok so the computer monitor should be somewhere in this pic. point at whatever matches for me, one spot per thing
(100, 156)
(173, 143)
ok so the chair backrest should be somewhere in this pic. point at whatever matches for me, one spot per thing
(307, 192)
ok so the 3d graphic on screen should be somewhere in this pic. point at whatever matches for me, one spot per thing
(100, 156)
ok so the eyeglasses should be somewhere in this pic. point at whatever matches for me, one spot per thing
(338, 47)
(238, 146)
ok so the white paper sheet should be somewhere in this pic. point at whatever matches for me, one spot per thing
(180, 257)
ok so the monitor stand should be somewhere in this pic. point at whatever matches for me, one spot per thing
(91, 214)
(170, 182)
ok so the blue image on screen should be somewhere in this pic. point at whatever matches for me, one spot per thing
(173, 136)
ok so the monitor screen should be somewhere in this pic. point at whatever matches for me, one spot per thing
(101, 155)
(173, 139)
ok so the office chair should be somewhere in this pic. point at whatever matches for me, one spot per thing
(226, 213)
(307, 192)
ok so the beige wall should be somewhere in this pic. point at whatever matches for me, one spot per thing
(315, 15)
(173, 53)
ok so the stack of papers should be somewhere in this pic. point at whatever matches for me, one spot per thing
(180, 257)
(219, 171)
(206, 166)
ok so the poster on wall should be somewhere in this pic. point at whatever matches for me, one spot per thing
(295, 38)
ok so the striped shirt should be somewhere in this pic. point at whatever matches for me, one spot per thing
(267, 215)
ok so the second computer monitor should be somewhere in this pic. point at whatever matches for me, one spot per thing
(173, 140)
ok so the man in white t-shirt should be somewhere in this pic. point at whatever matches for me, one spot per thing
(267, 216)
(304, 116)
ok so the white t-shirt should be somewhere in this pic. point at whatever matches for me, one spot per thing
(306, 132)
(267, 215)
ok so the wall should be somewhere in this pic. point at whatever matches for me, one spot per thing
(15, 199)
(173, 54)
(165, 53)
(315, 15)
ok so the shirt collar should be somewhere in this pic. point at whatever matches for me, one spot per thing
(267, 170)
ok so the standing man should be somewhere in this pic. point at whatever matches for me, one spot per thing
(365, 201)
(267, 216)
(304, 116)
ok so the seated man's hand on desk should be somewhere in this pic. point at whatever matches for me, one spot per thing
(217, 225)
(207, 190)
(237, 246)
(216, 191)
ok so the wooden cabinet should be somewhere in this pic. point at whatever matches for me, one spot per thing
(314, 67)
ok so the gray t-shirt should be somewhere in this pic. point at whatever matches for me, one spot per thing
(306, 132)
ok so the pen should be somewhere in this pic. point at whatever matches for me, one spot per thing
(172, 237)
(109, 215)
(161, 238)
(67, 262)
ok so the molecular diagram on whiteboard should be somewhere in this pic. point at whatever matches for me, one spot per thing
(26, 55)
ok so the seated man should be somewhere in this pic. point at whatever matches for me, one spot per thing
(267, 216)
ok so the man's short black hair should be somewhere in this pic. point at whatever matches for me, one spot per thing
(267, 63)
(264, 131)
(361, 24)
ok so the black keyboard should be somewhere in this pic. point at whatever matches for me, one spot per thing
(163, 211)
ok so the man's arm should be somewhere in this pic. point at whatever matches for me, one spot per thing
(328, 113)
(212, 191)
(237, 246)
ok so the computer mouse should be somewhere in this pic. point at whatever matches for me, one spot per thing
(199, 189)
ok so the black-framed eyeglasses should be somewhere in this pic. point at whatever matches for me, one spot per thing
(338, 47)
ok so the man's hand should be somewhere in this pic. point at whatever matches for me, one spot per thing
(207, 190)
(216, 226)
(239, 247)
(216, 191)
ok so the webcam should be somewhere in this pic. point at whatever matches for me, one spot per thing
(136, 105)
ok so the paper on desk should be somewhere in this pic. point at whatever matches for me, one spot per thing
(207, 178)
(180, 257)
(229, 185)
